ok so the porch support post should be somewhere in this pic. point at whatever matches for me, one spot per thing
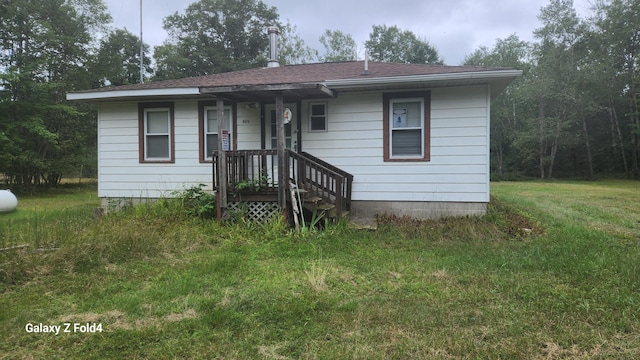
(283, 166)
(222, 160)
(263, 127)
(299, 126)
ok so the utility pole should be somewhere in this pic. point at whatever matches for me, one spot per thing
(141, 48)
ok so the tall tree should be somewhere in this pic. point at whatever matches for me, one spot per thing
(510, 108)
(338, 46)
(555, 83)
(619, 35)
(46, 46)
(394, 45)
(215, 36)
(118, 59)
(576, 107)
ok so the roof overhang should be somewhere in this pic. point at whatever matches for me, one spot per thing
(267, 93)
(498, 79)
(239, 93)
(107, 95)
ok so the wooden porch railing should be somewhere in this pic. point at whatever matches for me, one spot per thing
(259, 168)
(256, 168)
(331, 184)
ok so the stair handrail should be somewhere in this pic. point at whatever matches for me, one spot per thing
(343, 180)
(326, 165)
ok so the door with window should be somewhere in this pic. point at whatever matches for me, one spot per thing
(290, 129)
(290, 133)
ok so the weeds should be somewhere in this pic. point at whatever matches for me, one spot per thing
(516, 223)
(502, 222)
(316, 274)
(253, 185)
(197, 202)
(165, 284)
(314, 223)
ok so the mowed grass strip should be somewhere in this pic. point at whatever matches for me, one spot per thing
(163, 285)
(612, 206)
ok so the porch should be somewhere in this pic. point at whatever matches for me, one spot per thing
(255, 176)
(267, 175)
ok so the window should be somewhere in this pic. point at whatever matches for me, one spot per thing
(208, 125)
(155, 122)
(211, 129)
(318, 117)
(406, 126)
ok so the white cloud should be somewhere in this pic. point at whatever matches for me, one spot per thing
(454, 27)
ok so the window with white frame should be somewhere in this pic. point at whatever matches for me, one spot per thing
(406, 126)
(318, 118)
(289, 141)
(156, 132)
(211, 129)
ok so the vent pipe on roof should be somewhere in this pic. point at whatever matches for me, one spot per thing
(366, 63)
(273, 47)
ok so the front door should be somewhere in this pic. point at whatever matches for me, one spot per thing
(290, 129)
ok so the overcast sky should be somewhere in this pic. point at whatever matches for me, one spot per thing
(454, 27)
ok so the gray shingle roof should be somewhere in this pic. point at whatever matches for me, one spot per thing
(300, 74)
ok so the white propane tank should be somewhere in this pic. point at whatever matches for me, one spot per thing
(8, 201)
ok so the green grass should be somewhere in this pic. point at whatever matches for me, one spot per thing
(164, 285)
(47, 220)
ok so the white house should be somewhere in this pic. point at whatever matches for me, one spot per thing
(415, 138)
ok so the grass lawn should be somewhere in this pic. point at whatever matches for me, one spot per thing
(47, 220)
(553, 271)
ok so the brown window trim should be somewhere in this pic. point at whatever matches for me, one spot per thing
(141, 134)
(386, 98)
(234, 125)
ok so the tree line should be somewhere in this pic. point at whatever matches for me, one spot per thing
(573, 113)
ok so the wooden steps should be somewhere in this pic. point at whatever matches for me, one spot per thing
(315, 204)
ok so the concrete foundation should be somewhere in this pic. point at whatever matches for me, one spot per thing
(366, 211)
(117, 204)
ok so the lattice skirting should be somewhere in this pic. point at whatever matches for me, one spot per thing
(258, 211)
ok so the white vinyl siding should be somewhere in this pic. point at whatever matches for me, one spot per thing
(458, 168)
(248, 131)
(120, 174)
